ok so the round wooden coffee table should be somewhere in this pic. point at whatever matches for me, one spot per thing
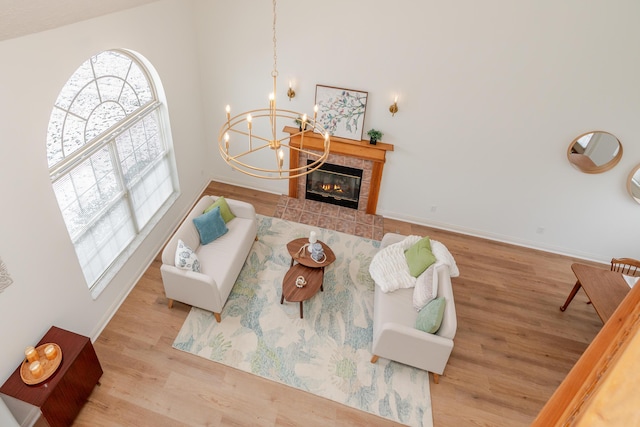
(304, 256)
(293, 293)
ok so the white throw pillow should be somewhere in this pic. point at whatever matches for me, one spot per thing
(426, 288)
(186, 259)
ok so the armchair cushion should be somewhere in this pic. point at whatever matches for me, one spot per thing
(430, 317)
(186, 258)
(225, 210)
(210, 226)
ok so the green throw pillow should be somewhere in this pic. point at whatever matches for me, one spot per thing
(210, 226)
(419, 256)
(225, 210)
(430, 317)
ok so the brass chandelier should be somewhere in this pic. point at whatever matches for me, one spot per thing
(237, 152)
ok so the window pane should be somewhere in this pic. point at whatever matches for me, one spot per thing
(105, 116)
(86, 190)
(110, 88)
(138, 81)
(86, 101)
(73, 134)
(99, 246)
(129, 99)
(80, 78)
(54, 137)
(148, 195)
(110, 63)
(139, 147)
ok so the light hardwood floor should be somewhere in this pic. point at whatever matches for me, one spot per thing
(512, 349)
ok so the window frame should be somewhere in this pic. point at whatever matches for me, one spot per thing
(160, 163)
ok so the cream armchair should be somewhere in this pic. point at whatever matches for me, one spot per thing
(220, 260)
(395, 336)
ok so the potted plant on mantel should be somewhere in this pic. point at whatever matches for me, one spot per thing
(298, 121)
(374, 136)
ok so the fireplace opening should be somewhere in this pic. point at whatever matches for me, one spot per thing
(335, 184)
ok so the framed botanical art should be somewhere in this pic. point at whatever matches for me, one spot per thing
(341, 111)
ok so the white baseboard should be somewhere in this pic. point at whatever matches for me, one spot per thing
(492, 236)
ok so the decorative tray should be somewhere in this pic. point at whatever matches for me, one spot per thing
(49, 366)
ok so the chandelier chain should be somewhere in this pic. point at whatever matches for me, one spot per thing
(274, 73)
(240, 155)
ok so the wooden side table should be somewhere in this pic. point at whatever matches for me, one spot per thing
(605, 289)
(60, 397)
(304, 257)
(292, 293)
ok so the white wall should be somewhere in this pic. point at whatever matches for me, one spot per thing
(48, 287)
(490, 94)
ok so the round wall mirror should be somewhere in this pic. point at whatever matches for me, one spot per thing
(595, 152)
(633, 184)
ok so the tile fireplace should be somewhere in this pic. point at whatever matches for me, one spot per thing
(351, 164)
(360, 155)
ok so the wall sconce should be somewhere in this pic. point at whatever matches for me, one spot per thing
(291, 93)
(394, 107)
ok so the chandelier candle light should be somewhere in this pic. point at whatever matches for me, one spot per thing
(238, 154)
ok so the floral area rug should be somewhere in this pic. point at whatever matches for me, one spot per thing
(328, 352)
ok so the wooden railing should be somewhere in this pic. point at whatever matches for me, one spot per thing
(601, 388)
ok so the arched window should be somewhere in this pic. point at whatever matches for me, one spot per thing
(110, 160)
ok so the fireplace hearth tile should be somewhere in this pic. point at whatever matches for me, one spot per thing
(313, 206)
(329, 210)
(364, 218)
(291, 214)
(348, 227)
(280, 210)
(295, 204)
(309, 218)
(282, 201)
(347, 214)
(327, 222)
(330, 217)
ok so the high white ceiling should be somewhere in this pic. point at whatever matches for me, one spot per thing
(22, 17)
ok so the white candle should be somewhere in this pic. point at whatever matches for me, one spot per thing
(312, 237)
(50, 352)
(36, 369)
(32, 354)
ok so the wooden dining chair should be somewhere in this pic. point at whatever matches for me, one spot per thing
(628, 266)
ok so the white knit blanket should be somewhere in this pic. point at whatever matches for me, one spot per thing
(389, 266)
